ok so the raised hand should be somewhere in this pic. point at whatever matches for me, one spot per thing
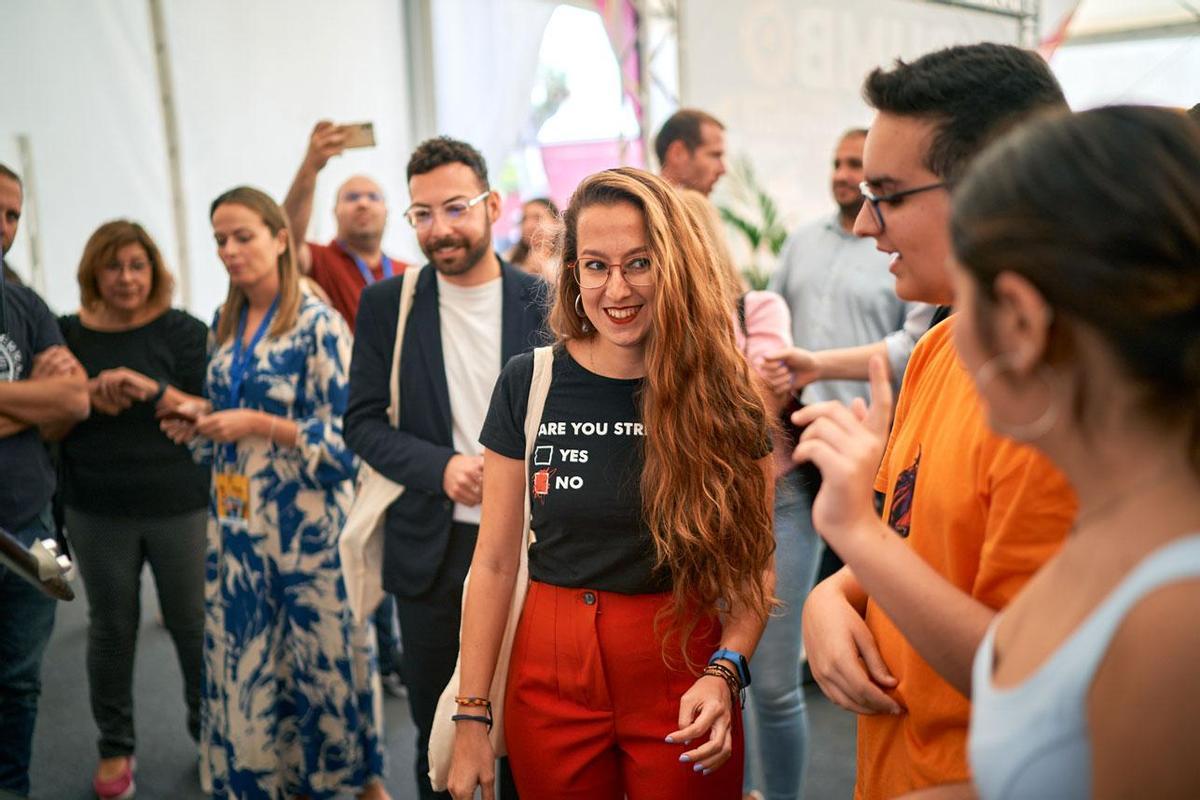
(847, 445)
(326, 141)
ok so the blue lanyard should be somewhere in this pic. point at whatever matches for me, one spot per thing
(384, 262)
(239, 368)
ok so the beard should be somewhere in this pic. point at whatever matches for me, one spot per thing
(850, 210)
(455, 265)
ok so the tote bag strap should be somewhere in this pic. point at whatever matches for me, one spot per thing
(408, 289)
(539, 387)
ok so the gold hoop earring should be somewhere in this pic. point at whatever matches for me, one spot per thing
(579, 310)
(1021, 431)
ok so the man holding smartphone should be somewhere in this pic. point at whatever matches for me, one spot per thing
(355, 258)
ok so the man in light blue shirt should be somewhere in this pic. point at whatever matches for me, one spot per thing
(841, 295)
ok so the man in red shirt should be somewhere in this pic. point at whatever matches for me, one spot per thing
(355, 257)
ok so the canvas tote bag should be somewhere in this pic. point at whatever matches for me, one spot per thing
(361, 542)
(441, 737)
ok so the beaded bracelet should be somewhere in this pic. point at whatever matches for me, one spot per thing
(481, 702)
(725, 672)
(474, 718)
(731, 681)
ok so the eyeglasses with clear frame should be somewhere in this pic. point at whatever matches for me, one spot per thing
(421, 217)
(875, 199)
(592, 273)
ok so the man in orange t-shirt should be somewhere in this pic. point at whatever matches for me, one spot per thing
(978, 514)
(985, 513)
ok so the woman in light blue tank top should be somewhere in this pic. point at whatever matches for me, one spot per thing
(1077, 287)
(1079, 294)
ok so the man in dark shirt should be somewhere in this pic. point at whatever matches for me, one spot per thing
(355, 258)
(41, 383)
(10, 215)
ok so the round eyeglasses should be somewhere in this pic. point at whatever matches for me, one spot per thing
(421, 217)
(592, 273)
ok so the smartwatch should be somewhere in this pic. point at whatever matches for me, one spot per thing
(735, 658)
(162, 390)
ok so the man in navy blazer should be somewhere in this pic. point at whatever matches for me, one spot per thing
(471, 313)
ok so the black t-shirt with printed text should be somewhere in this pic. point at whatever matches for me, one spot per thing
(584, 476)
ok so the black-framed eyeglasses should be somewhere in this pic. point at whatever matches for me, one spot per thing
(592, 273)
(421, 217)
(873, 200)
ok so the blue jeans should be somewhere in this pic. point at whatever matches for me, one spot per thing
(26, 620)
(776, 719)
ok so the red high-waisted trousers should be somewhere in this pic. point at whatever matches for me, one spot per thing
(590, 702)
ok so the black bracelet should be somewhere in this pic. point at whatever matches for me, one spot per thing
(162, 390)
(473, 718)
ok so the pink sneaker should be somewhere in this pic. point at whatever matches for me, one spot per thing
(118, 788)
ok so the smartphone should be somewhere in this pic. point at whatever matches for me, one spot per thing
(359, 134)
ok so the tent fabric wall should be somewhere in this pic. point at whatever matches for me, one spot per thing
(485, 57)
(250, 81)
(80, 83)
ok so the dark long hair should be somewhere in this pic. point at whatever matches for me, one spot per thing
(1101, 212)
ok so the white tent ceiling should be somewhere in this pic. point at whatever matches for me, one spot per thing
(1117, 19)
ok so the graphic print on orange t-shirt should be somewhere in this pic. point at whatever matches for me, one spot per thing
(900, 514)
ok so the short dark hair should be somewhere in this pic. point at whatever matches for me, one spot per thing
(8, 173)
(852, 132)
(441, 150)
(973, 93)
(683, 126)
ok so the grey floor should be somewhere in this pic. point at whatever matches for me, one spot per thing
(64, 745)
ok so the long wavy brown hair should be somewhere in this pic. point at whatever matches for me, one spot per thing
(704, 494)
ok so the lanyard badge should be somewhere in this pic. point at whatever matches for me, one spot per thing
(385, 264)
(233, 497)
(241, 363)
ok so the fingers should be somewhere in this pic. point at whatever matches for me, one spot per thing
(845, 682)
(54, 361)
(833, 410)
(859, 691)
(840, 698)
(712, 752)
(778, 356)
(869, 652)
(178, 431)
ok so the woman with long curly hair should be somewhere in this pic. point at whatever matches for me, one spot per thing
(650, 484)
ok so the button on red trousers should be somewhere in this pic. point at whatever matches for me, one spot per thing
(590, 701)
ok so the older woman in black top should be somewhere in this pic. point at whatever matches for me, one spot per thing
(131, 494)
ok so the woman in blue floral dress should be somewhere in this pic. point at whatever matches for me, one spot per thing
(290, 695)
